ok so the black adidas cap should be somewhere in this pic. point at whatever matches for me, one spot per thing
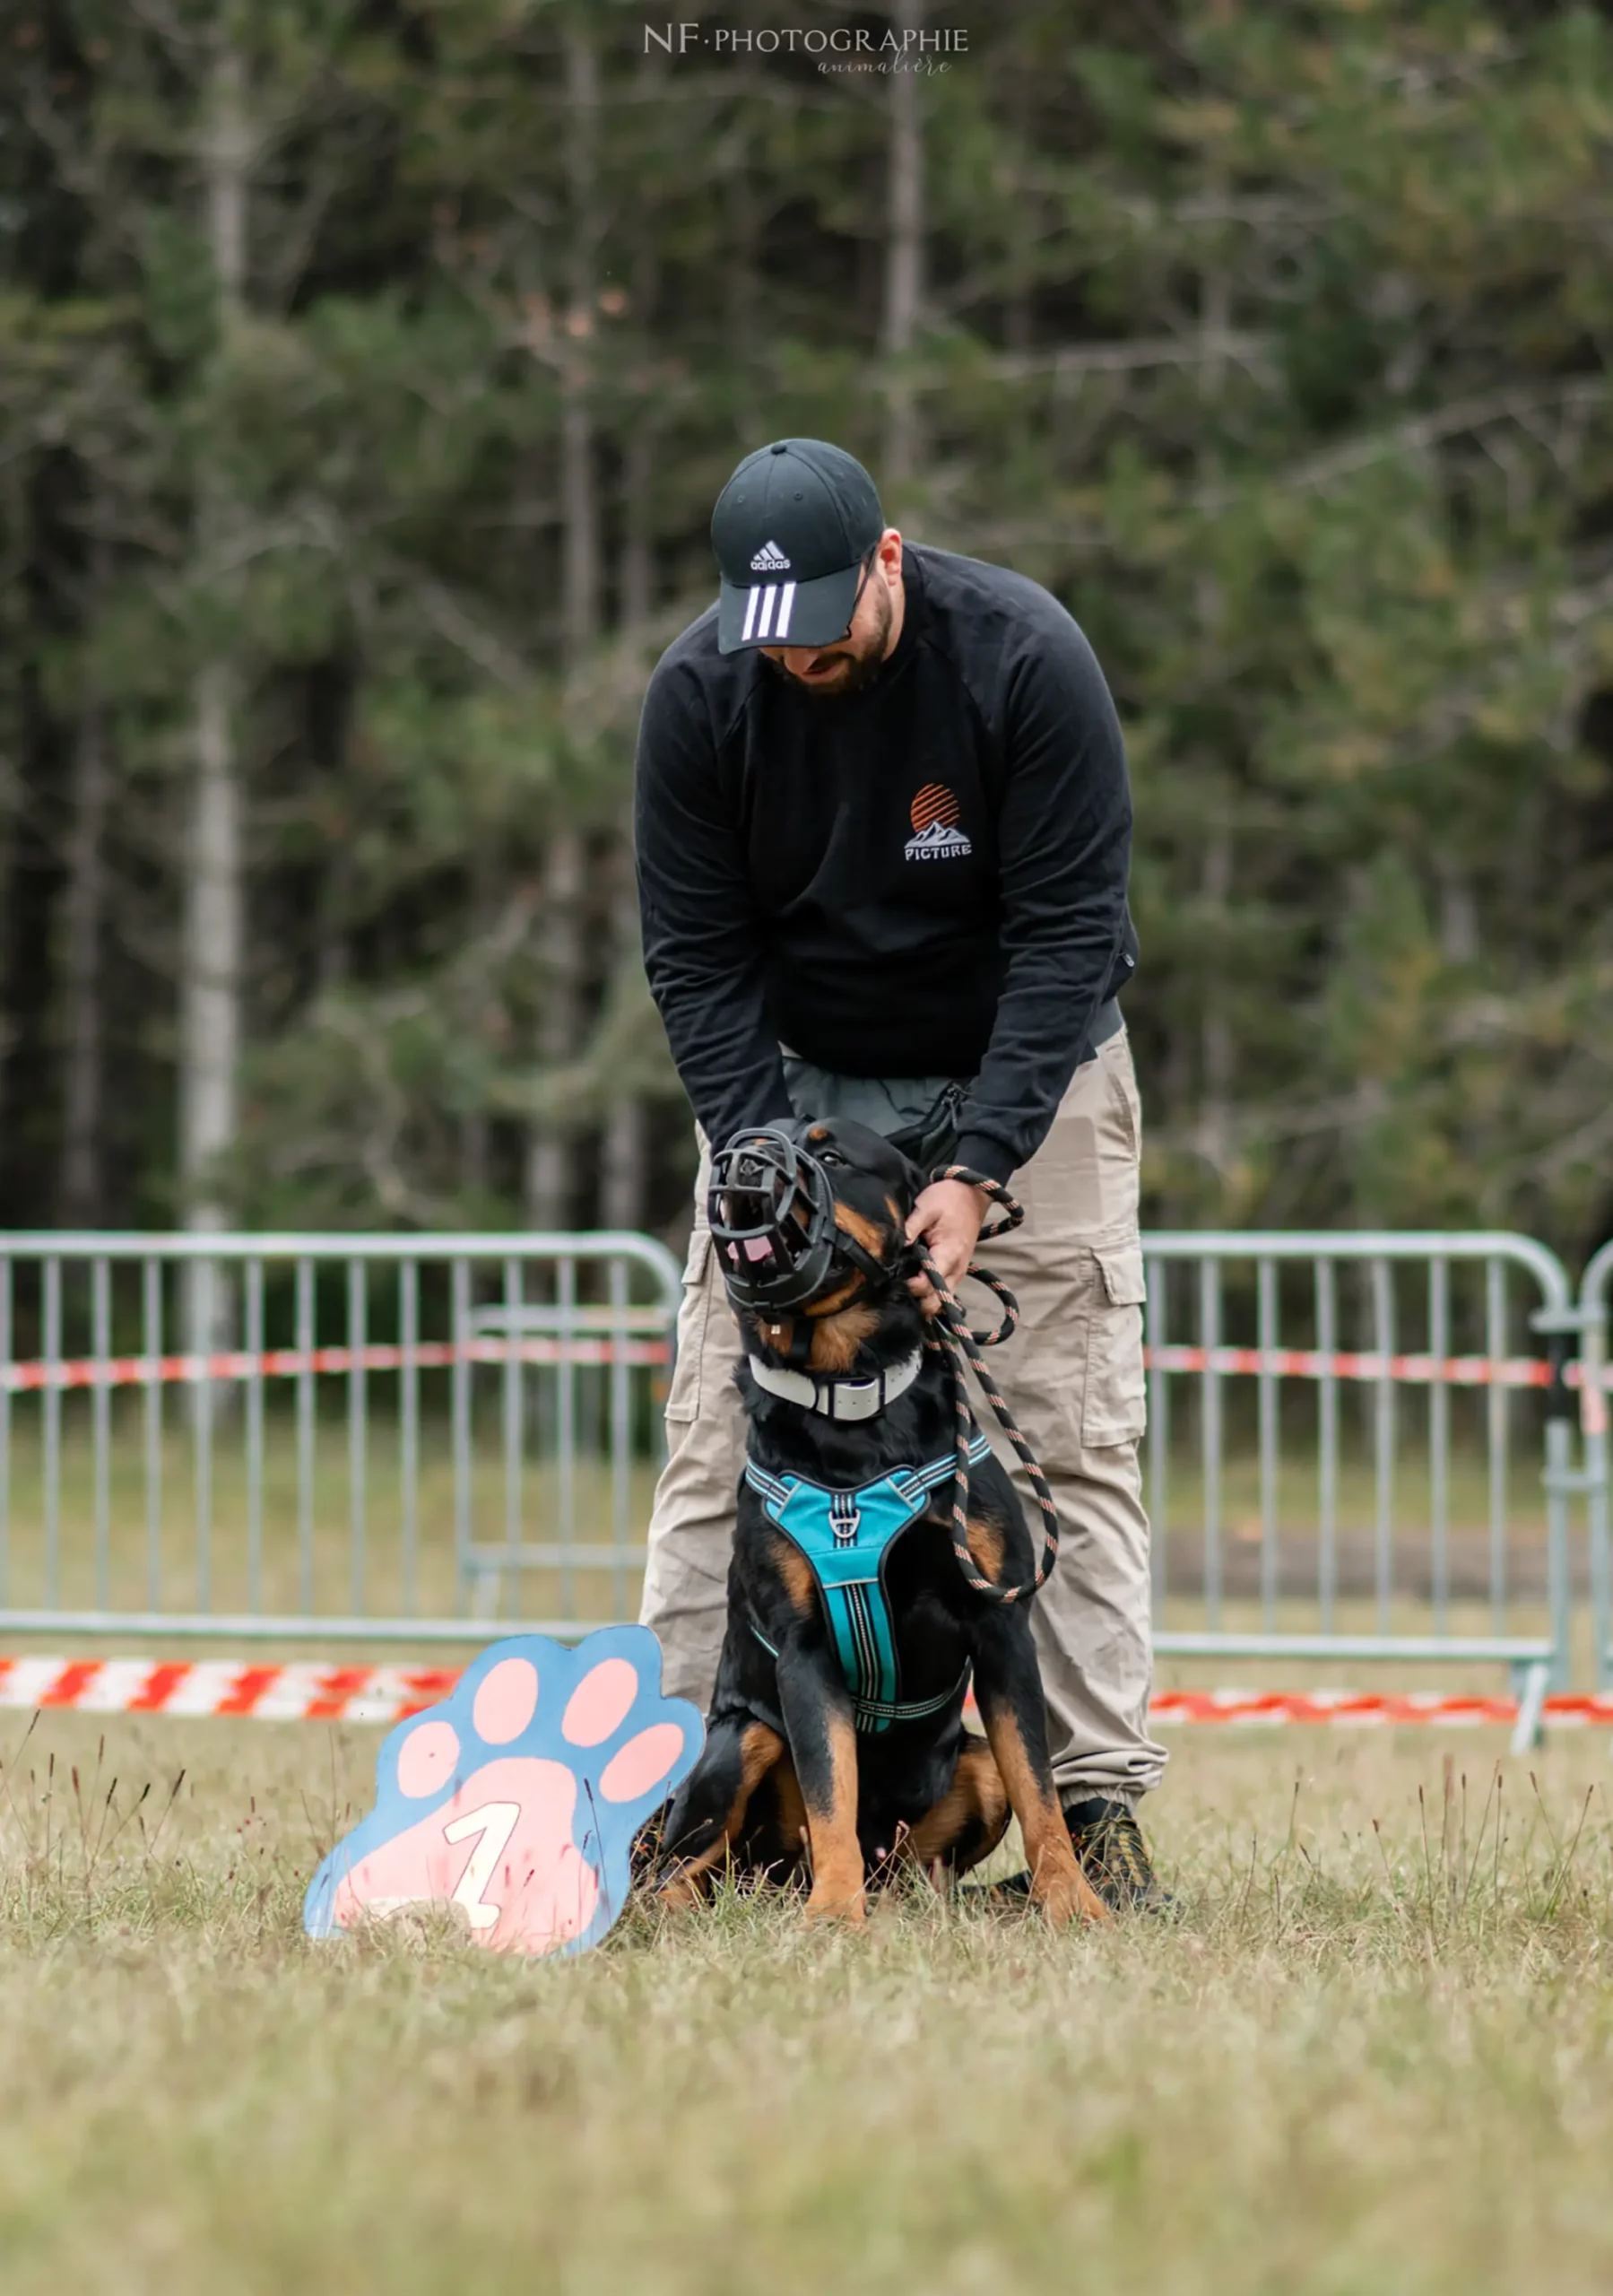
(790, 531)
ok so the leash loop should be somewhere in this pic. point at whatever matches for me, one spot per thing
(962, 1344)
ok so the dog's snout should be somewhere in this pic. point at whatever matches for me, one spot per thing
(745, 1207)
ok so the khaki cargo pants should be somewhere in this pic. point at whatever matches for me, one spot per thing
(1073, 1376)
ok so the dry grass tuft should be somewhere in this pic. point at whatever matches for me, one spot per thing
(1371, 2053)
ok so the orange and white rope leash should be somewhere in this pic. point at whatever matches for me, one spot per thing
(963, 1345)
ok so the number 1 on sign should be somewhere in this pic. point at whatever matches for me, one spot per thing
(495, 1821)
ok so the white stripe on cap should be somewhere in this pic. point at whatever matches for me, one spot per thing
(766, 623)
(786, 606)
(752, 602)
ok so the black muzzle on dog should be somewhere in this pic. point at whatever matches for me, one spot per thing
(771, 1206)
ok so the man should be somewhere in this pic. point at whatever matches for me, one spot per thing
(883, 829)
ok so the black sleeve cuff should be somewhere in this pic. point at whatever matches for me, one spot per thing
(768, 1109)
(982, 1153)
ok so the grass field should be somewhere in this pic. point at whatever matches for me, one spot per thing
(1374, 2052)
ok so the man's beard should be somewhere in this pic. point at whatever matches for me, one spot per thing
(861, 672)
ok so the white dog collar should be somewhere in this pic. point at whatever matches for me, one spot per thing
(839, 1398)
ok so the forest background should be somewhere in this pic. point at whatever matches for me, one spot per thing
(367, 373)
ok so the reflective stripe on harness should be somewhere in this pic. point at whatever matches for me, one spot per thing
(844, 1536)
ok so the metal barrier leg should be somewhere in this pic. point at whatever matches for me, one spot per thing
(1593, 1450)
(1531, 1683)
(1560, 1482)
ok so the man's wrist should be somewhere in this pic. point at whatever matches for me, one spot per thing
(962, 1200)
(978, 1151)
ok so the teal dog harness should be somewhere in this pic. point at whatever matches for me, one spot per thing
(845, 1536)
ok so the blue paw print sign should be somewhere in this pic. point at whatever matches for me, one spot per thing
(516, 1800)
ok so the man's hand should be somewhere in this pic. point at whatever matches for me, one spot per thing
(947, 1217)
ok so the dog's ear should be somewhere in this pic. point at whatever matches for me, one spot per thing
(911, 1180)
(914, 1182)
(873, 1152)
(899, 1170)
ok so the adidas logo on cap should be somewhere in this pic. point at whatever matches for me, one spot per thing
(769, 560)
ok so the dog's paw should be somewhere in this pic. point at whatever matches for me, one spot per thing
(516, 1800)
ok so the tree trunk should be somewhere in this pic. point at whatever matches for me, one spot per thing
(624, 1150)
(1216, 1045)
(86, 895)
(211, 1000)
(904, 265)
(549, 1158)
(13, 522)
(549, 1188)
(740, 327)
(624, 1166)
(579, 524)
(210, 1014)
(1458, 934)
(8, 843)
(1215, 1105)
(473, 1133)
(638, 562)
(1016, 327)
(579, 488)
(471, 1141)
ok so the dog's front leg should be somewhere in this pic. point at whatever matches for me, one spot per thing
(1008, 1690)
(817, 1711)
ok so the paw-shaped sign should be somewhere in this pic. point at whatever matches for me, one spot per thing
(516, 1800)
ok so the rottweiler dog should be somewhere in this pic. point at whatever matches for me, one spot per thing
(835, 1740)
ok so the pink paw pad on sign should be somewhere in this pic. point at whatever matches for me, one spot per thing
(516, 1800)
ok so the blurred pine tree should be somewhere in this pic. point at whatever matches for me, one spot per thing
(1274, 341)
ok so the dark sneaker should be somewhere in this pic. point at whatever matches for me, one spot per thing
(1115, 1856)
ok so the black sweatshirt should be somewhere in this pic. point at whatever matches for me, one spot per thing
(927, 878)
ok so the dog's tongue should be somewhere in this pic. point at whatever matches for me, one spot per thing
(755, 1248)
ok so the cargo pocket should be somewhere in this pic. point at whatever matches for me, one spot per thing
(694, 1318)
(1115, 1407)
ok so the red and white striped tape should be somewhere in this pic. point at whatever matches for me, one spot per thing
(433, 1354)
(1364, 1707)
(292, 1692)
(1315, 1363)
(310, 1693)
(290, 1362)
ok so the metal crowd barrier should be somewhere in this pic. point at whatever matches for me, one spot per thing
(1593, 1422)
(1339, 1332)
(167, 1461)
(1359, 1446)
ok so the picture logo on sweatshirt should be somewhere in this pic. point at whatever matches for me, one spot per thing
(936, 836)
